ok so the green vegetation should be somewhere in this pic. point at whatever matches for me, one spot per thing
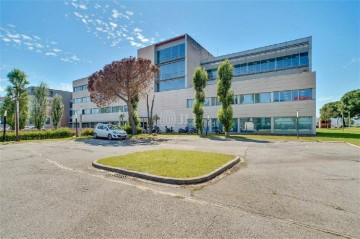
(200, 78)
(349, 135)
(57, 111)
(225, 95)
(169, 163)
(39, 105)
(129, 130)
(17, 88)
(38, 135)
(87, 132)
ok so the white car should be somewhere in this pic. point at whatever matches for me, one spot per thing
(109, 131)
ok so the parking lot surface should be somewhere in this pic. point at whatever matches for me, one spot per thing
(283, 190)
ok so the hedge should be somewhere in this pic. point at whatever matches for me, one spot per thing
(45, 134)
(87, 132)
(128, 129)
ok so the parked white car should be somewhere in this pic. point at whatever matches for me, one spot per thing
(109, 131)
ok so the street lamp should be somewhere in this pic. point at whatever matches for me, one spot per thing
(297, 123)
(207, 124)
(76, 125)
(16, 113)
(5, 114)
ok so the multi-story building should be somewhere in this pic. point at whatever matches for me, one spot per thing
(270, 84)
(66, 100)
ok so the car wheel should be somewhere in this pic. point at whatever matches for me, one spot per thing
(109, 137)
(95, 136)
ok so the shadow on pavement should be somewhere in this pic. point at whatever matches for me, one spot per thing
(117, 143)
(236, 138)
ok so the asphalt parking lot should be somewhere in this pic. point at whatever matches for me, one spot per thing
(283, 190)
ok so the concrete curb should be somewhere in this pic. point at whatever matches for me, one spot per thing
(177, 181)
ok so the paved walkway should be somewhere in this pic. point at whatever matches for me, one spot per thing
(284, 190)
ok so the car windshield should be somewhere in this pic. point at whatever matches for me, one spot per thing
(113, 127)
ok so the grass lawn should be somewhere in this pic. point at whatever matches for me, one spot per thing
(169, 163)
(349, 135)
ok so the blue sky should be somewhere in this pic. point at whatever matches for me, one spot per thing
(60, 41)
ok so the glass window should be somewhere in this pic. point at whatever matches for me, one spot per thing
(257, 66)
(263, 97)
(285, 125)
(86, 112)
(246, 124)
(190, 123)
(271, 65)
(264, 65)
(212, 74)
(105, 110)
(262, 125)
(234, 127)
(171, 53)
(295, 60)
(189, 103)
(171, 85)
(295, 95)
(305, 94)
(85, 99)
(285, 95)
(287, 61)
(95, 111)
(305, 125)
(207, 101)
(125, 108)
(251, 68)
(247, 99)
(279, 63)
(236, 100)
(276, 95)
(243, 69)
(174, 70)
(236, 71)
(115, 109)
(77, 100)
(304, 59)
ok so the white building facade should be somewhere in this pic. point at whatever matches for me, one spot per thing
(270, 85)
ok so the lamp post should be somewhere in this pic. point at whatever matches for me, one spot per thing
(76, 125)
(297, 123)
(349, 119)
(207, 124)
(16, 114)
(4, 135)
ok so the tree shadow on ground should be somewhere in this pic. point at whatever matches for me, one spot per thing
(234, 138)
(119, 143)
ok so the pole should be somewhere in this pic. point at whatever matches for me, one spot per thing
(207, 124)
(4, 135)
(17, 119)
(349, 119)
(297, 123)
(76, 125)
(342, 118)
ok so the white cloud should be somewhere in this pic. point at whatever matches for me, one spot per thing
(13, 35)
(80, 5)
(141, 37)
(10, 25)
(39, 45)
(37, 37)
(54, 43)
(56, 50)
(50, 54)
(137, 29)
(113, 24)
(26, 37)
(115, 13)
(325, 98)
(31, 48)
(132, 43)
(16, 41)
(6, 39)
(96, 6)
(130, 13)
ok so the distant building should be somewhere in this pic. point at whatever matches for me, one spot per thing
(270, 84)
(66, 100)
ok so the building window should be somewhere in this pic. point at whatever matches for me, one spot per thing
(247, 99)
(173, 70)
(171, 85)
(77, 100)
(189, 103)
(305, 94)
(86, 112)
(95, 111)
(304, 59)
(287, 125)
(171, 53)
(263, 97)
(207, 101)
(105, 110)
(285, 95)
(212, 74)
(80, 88)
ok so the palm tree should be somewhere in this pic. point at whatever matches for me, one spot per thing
(156, 118)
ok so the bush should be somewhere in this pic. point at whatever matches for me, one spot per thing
(45, 134)
(87, 132)
(128, 129)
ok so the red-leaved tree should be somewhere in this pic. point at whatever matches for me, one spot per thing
(124, 79)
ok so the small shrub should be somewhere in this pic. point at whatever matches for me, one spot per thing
(128, 129)
(87, 132)
(44, 134)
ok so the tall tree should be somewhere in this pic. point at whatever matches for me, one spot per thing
(39, 105)
(124, 79)
(156, 118)
(150, 113)
(225, 95)
(18, 81)
(135, 102)
(199, 81)
(330, 110)
(57, 111)
(351, 103)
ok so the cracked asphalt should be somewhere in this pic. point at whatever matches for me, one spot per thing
(283, 190)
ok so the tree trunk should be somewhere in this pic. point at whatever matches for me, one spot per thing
(227, 134)
(131, 118)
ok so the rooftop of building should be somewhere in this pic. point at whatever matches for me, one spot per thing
(260, 50)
